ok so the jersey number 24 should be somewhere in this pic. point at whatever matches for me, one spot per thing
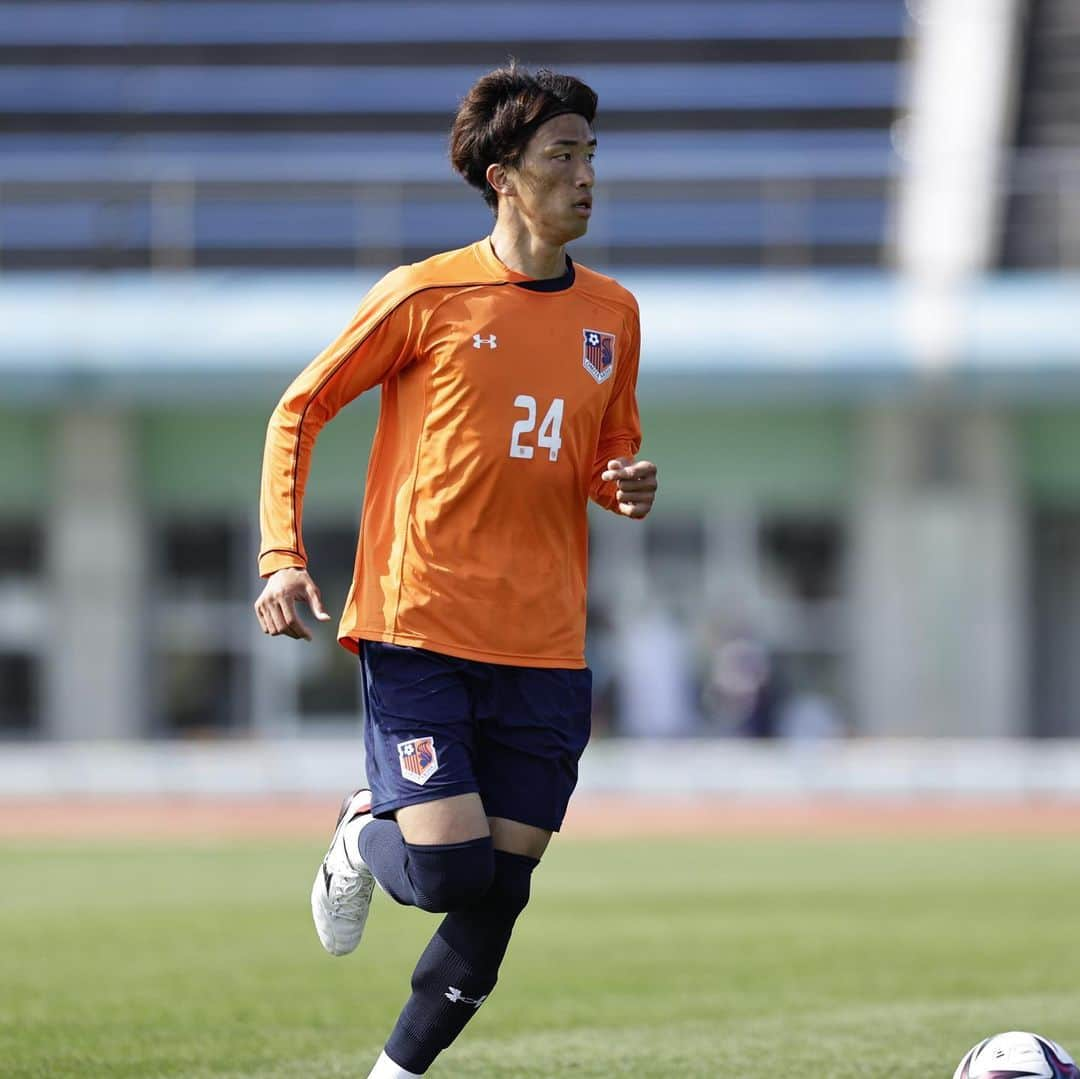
(547, 437)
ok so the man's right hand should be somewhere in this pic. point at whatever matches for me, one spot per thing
(276, 606)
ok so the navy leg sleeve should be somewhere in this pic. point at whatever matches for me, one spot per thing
(460, 966)
(434, 877)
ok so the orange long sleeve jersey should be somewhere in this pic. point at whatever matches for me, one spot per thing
(502, 401)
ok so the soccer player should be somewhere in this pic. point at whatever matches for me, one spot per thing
(508, 400)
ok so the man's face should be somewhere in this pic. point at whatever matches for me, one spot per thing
(554, 182)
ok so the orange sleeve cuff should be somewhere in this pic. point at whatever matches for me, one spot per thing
(272, 561)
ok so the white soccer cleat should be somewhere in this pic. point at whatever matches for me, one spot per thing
(341, 894)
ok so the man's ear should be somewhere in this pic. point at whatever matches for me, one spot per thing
(499, 179)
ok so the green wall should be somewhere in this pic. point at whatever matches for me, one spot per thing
(1048, 452)
(784, 456)
(790, 457)
(26, 462)
(211, 460)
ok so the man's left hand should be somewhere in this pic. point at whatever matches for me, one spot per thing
(635, 485)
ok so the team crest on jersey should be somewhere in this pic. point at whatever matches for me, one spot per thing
(599, 354)
(418, 760)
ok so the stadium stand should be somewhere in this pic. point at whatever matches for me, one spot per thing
(277, 134)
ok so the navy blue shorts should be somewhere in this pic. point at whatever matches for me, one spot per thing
(436, 726)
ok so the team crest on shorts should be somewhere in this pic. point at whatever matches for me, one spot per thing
(599, 354)
(418, 759)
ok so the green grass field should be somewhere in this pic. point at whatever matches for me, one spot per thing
(831, 959)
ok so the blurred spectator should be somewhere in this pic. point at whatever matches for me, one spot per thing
(810, 717)
(655, 679)
(741, 694)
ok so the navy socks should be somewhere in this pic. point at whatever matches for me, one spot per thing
(460, 966)
(483, 890)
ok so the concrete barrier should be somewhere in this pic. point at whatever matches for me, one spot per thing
(859, 769)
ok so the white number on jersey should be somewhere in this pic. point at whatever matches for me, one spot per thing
(523, 427)
(548, 437)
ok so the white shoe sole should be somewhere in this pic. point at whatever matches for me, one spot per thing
(337, 935)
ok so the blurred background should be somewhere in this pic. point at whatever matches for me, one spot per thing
(853, 227)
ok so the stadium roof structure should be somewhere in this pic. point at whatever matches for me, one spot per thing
(145, 338)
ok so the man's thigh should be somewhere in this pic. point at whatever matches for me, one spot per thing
(516, 838)
(456, 819)
(532, 726)
(461, 818)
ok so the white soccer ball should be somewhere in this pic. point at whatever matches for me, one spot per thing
(1017, 1055)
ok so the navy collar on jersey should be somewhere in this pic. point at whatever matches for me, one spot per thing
(551, 284)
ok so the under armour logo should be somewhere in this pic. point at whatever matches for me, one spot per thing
(455, 996)
(477, 341)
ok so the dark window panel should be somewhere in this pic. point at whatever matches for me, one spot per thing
(20, 698)
(330, 678)
(806, 554)
(205, 694)
(21, 549)
(197, 559)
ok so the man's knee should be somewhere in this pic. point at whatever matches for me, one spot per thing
(450, 876)
(511, 884)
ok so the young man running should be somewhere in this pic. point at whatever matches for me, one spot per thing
(508, 400)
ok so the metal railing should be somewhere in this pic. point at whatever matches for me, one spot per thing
(175, 222)
(163, 216)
